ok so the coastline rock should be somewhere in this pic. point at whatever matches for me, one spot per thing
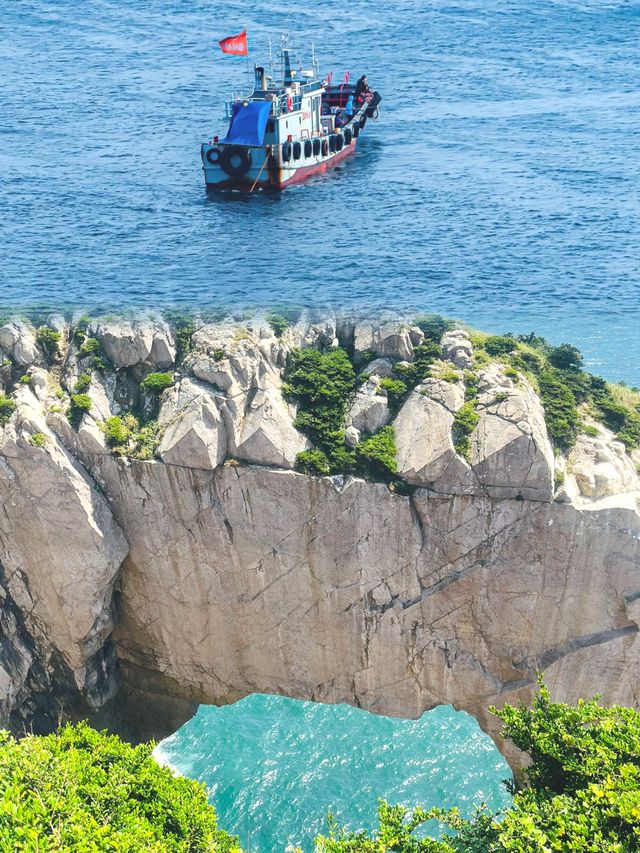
(423, 425)
(128, 343)
(457, 348)
(511, 453)
(369, 411)
(389, 339)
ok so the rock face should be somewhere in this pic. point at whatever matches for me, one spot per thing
(130, 591)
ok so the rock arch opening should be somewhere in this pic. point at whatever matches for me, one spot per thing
(275, 766)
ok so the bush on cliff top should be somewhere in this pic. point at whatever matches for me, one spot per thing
(322, 384)
(377, 454)
(82, 790)
(583, 794)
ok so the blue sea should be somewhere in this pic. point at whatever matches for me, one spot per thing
(500, 186)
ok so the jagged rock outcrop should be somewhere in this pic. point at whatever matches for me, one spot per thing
(133, 590)
(128, 343)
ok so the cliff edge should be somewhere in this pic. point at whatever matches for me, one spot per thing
(182, 522)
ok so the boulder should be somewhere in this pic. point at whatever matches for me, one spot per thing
(423, 425)
(457, 348)
(379, 367)
(263, 433)
(128, 343)
(601, 467)
(18, 340)
(196, 437)
(389, 339)
(511, 454)
(369, 411)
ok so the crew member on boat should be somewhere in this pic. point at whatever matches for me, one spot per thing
(363, 92)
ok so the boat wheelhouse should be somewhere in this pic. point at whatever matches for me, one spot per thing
(285, 131)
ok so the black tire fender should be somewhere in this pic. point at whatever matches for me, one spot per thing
(235, 161)
(213, 156)
(286, 152)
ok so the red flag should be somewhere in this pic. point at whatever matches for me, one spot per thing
(235, 44)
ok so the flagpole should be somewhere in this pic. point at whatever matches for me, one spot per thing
(248, 70)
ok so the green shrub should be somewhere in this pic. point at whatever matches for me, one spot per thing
(613, 414)
(83, 382)
(377, 454)
(590, 430)
(560, 410)
(313, 462)
(464, 422)
(396, 390)
(630, 433)
(500, 397)
(146, 441)
(420, 368)
(566, 357)
(90, 346)
(25, 379)
(38, 439)
(449, 376)
(115, 431)
(558, 479)
(80, 404)
(7, 408)
(434, 326)
(528, 362)
(500, 344)
(322, 384)
(512, 373)
(218, 354)
(81, 790)
(48, 340)
(278, 323)
(185, 327)
(583, 792)
(156, 383)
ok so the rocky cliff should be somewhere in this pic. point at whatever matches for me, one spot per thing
(159, 549)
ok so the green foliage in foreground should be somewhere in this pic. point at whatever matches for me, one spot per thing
(583, 793)
(82, 791)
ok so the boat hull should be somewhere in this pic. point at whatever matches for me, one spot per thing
(261, 175)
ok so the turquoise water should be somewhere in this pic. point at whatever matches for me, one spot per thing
(275, 767)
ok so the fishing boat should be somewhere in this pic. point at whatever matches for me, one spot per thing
(287, 129)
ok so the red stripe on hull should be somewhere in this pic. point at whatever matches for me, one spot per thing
(306, 171)
(300, 175)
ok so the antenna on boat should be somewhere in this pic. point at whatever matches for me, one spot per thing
(271, 61)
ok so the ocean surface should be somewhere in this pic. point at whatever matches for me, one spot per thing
(276, 767)
(500, 186)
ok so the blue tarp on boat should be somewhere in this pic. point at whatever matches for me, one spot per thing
(248, 123)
